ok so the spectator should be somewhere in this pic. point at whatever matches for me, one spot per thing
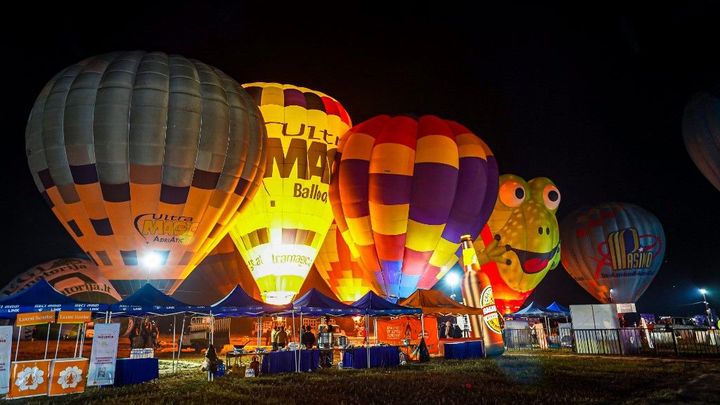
(308, 339)
(274, 338)
(282, 338)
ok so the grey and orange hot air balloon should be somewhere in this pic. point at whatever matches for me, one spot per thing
(404, 193)
(145, 158)
(701, 132)
(613, 250)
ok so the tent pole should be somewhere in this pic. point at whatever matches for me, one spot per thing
(422, 325)
(376, 330)
(367, 338)
(182, 331)
(173, 344)
(47, 341)
(57, 345)
(82, 339)
(300, 341)
(17, 345)
(259, 334)
(77, 340)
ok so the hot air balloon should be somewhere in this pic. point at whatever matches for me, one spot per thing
(701, 131)
(348, 280)
(404, 193)
(145, 158)
(77, 278)
(216, 276)
(612, 250)
(521, 241)
(283, 228)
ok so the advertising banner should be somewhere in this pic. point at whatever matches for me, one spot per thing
(393, 331)
(29, 378)
(67, 376)
(104, 354)
(74, 316)
(5, 352)
(35, 318)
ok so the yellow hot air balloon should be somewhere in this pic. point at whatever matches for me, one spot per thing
(284, 226)
(145, 158)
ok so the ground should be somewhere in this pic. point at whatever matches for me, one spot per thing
(512, 378)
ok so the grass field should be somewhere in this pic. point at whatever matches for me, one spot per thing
(511, 378)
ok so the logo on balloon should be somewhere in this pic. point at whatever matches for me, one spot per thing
(162, 228)
(490, 313)
(626, 250)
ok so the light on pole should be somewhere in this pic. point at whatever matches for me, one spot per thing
(707, 307)
(452, 279)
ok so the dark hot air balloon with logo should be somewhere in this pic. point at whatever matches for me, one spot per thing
(613, 250)
(701, 132)
(404, 192)
(145, 159)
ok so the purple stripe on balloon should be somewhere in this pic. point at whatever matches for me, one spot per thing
(433, 189)
(491, 192)
(390, 189)
(469, 199)
(294, 97)
(354, 187)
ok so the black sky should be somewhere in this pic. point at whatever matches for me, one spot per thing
(592, 100)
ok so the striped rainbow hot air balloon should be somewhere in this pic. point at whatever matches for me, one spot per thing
(405, 191)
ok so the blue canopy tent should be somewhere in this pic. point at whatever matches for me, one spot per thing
(238, 303)
(531, 310)
(40, 297)
(374, 305)
(558, 309)
(148, 300)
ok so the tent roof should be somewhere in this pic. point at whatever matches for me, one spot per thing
(435, 302)
(41, 296)
(556, 307)
(150, 300)
(373, 304)
(532, 310)
(239, 303)
(317, 303)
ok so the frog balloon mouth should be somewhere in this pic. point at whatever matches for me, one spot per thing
(533, 262)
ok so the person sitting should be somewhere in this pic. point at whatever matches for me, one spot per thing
(210, 364)
(282, 338)
(308, 339)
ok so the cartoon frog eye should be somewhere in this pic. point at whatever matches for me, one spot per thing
(551, 197)
(512, 194)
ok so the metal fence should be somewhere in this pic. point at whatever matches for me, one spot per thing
(625, 341)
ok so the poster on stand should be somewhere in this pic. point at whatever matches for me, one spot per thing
(29, 378)
(103, 354)
(5, 353)
(67, 376)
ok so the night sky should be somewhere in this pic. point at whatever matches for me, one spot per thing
(593, 101)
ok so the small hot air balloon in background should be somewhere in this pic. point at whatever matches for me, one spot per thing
(145, 158)
(404, 193)
(285, 225)
(217, 275)
(77, 278)
(612, 250)
(701, 132)
(347, 279)
(521, 241)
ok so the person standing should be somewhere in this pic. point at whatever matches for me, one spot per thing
(268, 336)
(539, 329)
(274, 337)
(448, 330)
(282, 338)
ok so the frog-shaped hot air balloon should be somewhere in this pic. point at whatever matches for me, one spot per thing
(521, 241)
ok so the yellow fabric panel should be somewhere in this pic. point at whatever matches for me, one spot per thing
(437, 149)
(389, 219)
(392, 158)
(422, 237)
(361, 230)
(358, 146)
(443, 252)
(272, 95)
(470, 145)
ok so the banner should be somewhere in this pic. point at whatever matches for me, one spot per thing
(5, 352)
(103, 354)
(74, 316)
(29, 378)
(393, 331)
(34, 318)
(67, 376)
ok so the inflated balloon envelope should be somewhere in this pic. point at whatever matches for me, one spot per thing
(145, 158)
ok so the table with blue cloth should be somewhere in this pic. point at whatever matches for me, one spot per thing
(472, 349)
(380, 356)
(284, 361)
(136, 371)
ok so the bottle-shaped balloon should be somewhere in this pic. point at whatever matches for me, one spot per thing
(477, 292)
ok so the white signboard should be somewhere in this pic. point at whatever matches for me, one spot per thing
(104, 354)
(6, 333)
